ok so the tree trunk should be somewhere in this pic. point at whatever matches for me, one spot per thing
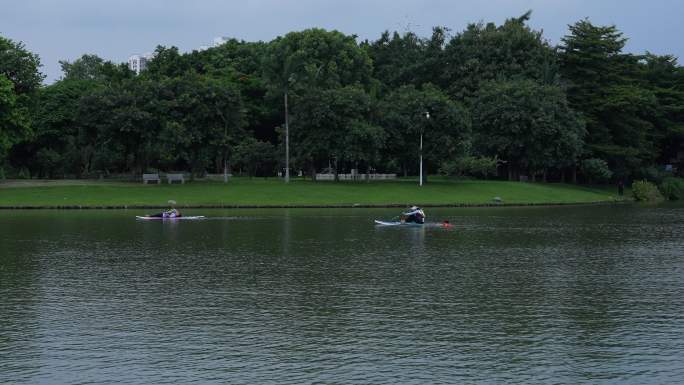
(574, 174)
(544, 175)
(510, 172)
(337, 175)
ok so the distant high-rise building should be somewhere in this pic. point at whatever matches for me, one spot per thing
(138, 63)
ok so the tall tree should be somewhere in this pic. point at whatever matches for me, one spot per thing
(407, 59)
(528, 125)
(313, 59)
(317, 58)
(202, 120)
(14, 125)
(602, 84)
(332, 126)
(20, 66)
(59, 131)
(396, 58)
(663, 76)
(446, 133)
(167, 62)
(483, 53)
(94, 68)
(241, 63)
(19, 79)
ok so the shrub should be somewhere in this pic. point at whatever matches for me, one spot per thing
(646, 191)
(469, 165)
(672, 188)
(596, 170)
(49, 161)
(651, 174)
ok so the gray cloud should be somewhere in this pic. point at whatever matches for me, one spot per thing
(66, 29)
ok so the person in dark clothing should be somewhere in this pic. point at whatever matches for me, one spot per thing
(414, 215)
(171, 213)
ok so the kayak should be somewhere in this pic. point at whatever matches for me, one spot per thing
(148, 218)
(396, 223)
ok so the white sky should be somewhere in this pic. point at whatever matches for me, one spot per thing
(66, 29)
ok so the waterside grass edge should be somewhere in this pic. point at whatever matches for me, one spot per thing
(273, 193)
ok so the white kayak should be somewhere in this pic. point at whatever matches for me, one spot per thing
(396, 223)
(148, 218)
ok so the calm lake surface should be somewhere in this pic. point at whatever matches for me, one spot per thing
(568, 295)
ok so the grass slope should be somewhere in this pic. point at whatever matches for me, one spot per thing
(243, 191)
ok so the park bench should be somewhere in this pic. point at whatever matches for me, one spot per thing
(151, 178)
(175, 178)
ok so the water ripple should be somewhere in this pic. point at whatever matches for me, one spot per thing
(566, 295)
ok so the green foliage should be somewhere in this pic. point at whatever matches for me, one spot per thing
(19, 78)
(58, 127)
(646, 191)
(316, 58)
(527, 124)
(167, 62)
(446, 133)
(609, 88)
(396, 59)
(491, 91)
(672, 188)
(469, 165)
(333, 125)
(19, 66)
(252, 155)
(14, 125)
(596, 170)
(651, 174)
(94, 68)
(483, 53)
(407, 59)
(48, 161)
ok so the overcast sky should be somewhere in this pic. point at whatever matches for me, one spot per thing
(114, 29)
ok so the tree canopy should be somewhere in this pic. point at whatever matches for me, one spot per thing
(490, 98)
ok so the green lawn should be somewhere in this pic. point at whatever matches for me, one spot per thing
(273, 192)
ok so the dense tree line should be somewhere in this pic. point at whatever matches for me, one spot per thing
(489, 99)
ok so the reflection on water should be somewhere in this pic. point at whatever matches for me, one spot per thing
(520, 295)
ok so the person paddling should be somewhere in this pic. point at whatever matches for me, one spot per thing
(170, 213)
(414, 215)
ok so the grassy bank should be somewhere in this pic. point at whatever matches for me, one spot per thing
(273, 192)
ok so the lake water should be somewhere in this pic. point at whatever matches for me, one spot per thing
(567, 295)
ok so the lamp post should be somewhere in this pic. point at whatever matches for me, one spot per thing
(287, 142)
(420, 182)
